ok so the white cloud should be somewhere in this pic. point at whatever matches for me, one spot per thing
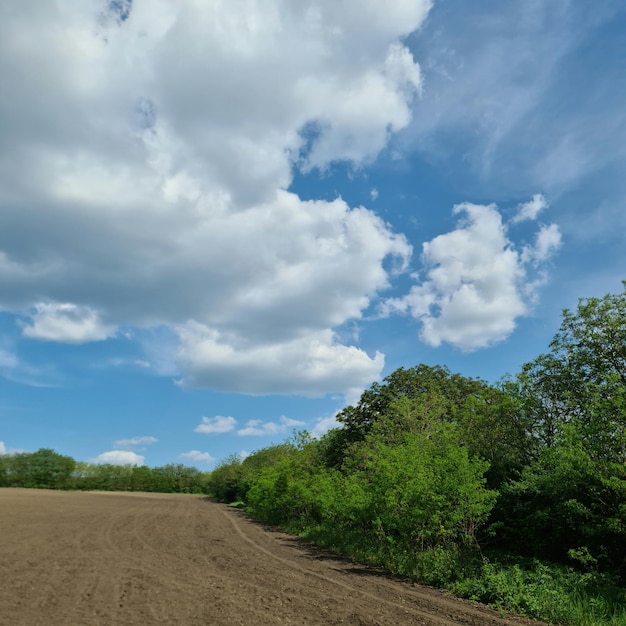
(119, 457)
(310, 365)
(323, 425)
(134, 194)
(4, 450)
(197, 457)
(67, 323)
(258, 428)
(476, 284)
(547, 242)
(530, 210)
(374, 194)
(135, 441)
(217, 424)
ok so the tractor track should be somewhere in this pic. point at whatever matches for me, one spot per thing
(139, 559)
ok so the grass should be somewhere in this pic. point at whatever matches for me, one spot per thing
(553, 593)
(550, 592)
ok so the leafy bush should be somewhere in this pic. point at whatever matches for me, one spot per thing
(550, 592)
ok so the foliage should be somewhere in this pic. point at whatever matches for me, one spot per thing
(223, 482)
(422, 492)
(44, 469)
(410, 479)
(422, 398)
(582, 380)
(554, 593)
(568, 505)
(50, 470)
(405, 504)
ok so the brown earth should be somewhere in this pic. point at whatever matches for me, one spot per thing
(77, 559)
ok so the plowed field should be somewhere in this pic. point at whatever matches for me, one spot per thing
(77, 559)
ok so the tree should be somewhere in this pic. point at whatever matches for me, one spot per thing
(570, 500)
(44, 469)
(582, 379)
(224, 482)
(568, 505)
(422, 398)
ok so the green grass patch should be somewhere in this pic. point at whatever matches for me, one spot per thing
(554, 593)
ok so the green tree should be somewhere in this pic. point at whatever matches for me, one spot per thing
(412, 397)
(44, 469)
(568, 506)
(224, 482)
(422, 398)
(423, 491)
(4, 470)
(582, 379)
(570, 501)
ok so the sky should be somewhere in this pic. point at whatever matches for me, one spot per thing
(220, 222)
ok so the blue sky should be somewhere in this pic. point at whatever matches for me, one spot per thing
(219, 222)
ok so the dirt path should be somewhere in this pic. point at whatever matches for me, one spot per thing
(78, 559)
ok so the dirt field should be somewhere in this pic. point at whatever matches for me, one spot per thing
(76, 559)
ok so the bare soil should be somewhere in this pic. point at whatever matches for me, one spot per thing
(77, 559)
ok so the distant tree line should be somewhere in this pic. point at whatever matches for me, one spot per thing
(514, 494)
(46, 469)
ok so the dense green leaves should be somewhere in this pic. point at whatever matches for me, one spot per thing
(568, 506)
(582, 379)
(394, 501)
(49, 470)
(43, 469)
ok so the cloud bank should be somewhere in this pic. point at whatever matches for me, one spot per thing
(147, 154)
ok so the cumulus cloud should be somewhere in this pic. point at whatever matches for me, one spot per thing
(310, 365)
(323, 425)
(67, 323)
(547, 242)
(145, 171)
(259, 428)
(119, 457)
(531, 209)
(135, 441)
(476, 283)
(3, 449)
(197, 457)
(217, 424)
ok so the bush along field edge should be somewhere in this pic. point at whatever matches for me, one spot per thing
(511, 494)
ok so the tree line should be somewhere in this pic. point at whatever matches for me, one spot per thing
(513, 494)
(47, 469)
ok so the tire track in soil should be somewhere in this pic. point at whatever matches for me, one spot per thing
(91, 559)
(426, 602)
(335, 581)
